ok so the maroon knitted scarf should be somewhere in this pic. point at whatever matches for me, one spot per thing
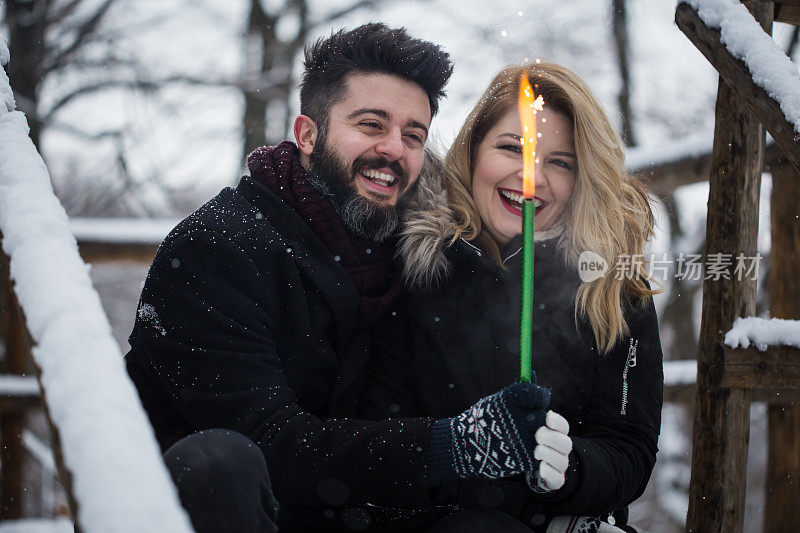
(371, 266)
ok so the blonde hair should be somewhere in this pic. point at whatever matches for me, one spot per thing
(608, 213)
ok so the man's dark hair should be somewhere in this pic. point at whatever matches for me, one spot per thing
(373, 48)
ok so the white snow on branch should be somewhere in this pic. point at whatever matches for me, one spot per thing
(119, 478)
(763, 332)
(744, 38)
(122, 230)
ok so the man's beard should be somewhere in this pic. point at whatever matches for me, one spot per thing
(363, 217)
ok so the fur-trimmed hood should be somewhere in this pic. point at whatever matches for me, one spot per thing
(427, 226)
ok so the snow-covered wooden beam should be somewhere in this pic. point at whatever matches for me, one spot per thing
(19, 386)
(763, 333)
(750, 63)
(120, 239)
(680, 383)
(761, 353)
(144, 231)
(18, 392)
(777, 367)
(117, 474)
(675, 164)
(680, 378)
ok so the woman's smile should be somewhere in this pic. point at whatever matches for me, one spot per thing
(497, 176)
(512, 200)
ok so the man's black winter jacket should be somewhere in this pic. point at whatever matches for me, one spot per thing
(246, 322)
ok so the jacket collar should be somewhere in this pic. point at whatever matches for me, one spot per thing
(428, 227)
(310, 254)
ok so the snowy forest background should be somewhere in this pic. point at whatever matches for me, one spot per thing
(145, 108)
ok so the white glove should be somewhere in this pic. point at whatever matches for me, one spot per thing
(552, 449)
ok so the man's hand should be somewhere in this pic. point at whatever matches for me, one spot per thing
(492, 439)
(553, 445)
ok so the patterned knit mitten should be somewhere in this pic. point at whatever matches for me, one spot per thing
(492, 439)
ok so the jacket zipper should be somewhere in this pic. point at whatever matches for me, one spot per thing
(629, 363)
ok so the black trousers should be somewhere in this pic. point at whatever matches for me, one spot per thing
(223, 483)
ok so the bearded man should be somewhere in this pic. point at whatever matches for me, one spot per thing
(255, 314)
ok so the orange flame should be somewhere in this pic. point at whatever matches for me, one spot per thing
(529, 103)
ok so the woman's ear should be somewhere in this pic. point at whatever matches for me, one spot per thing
(305, 134)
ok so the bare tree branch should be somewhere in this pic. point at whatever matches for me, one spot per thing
(620, 30)
(62, 13)
(93, 88)
(266, 87)
(299, 40)
(344, 11)
(104, 63)
(130, 185)
(85, 135)
(84, 31)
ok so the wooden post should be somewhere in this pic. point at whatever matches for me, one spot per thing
(721, 416)
(12, 417)
(783, 459)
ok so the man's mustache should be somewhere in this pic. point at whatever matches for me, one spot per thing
(367, 163)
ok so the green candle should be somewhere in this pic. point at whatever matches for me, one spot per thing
(526, 324)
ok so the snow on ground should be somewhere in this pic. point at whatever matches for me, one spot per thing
(763, 332)
(672, 478)
(768, 64)
(108, 444)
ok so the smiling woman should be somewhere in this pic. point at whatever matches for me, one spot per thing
(605, 211)
(453, 339)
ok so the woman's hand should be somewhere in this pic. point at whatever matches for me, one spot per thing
(491, 439)
(553, 445)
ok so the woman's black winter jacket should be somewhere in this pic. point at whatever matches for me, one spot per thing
(441, 350)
